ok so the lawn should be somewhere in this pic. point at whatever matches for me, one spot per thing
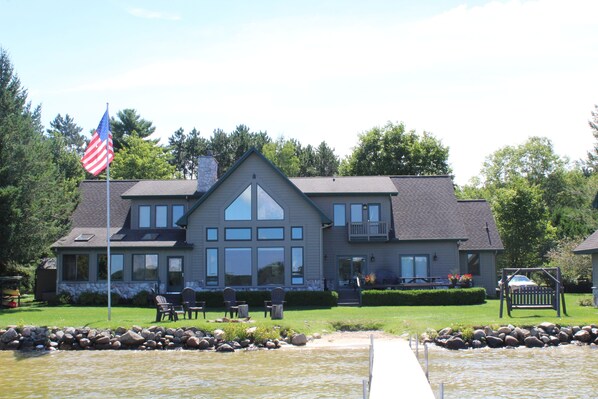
(392, 319)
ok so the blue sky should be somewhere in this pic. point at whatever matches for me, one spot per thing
(479, 75)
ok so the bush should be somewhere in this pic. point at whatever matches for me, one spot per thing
(63, 298)
(468, 296)
(353, 325)
(141, 299)
(92, 298)
(256, 299)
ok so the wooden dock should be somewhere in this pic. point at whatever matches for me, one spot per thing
(396, 373)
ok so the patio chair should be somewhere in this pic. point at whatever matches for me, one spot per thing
(276, 298)
(164, 308)
(190, 304)
(231, 304)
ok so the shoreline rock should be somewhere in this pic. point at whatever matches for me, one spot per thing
(29, 338)
(540, 336)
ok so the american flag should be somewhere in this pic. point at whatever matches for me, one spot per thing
(94, 160)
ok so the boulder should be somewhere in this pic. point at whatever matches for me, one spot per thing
(270, 345)
(479, 335)
(10, 335)
(193, 342)
(582, 336)
(533, 342)
(299, 340)
(504, 330)
(203, 344)
(455, 343)
(102, 340)
(511, 341)
(476, 344)
(563, 336)
(494, 342)
(548, 327)
(445, 331)
(84, 342)
(225, 348)
(131, 338)
(219, 334)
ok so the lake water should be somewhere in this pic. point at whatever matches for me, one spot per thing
(563, 372)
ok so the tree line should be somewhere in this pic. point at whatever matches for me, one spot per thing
(543, 204)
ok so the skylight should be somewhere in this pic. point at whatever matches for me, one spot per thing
(84, 237)
(150, 236)
(117, 237)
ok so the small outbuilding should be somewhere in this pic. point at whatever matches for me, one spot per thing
(590, 247)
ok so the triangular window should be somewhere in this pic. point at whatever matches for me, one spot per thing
(267, 207)
(240, 208)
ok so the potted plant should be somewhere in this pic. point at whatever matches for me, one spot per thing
(454, 279)
(466, 280)
(370, 279)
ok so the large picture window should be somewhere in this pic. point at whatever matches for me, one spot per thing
(240, 208)
(144, 216)
(145, 267)
(117, 262)
(413, 266)
(270, 266)
(237, 266)
(297, 265)
(267, 207)
(75, 267)
(211, 266)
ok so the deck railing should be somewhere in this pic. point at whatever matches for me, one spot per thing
(368, 231)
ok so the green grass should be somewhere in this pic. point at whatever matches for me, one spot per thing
(392, 319)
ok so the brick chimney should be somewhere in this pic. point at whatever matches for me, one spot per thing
(207, 172)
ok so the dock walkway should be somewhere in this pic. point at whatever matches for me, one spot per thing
(396, 373)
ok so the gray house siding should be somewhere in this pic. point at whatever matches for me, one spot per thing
(487, 277)
(297, 213)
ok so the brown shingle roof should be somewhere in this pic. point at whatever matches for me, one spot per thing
(426, 209)
(167, 238)
(345, 185)
(91, 211)
(162, 188)
(480, 226)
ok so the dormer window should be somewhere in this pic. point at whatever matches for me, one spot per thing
(240, 208)
(144, 216)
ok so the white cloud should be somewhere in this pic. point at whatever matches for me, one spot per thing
(147, 14)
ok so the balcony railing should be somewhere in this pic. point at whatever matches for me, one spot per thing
(368, 231)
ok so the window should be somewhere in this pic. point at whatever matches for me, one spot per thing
(237, 266)
(75, 267)
(297, 233)
(356, 213)
(237, 234)
(297, 265)
(270, 233)
(270, 266)
(240, 208)
(212, 234)
(267, 207)
(161, 215)
(177, 212)
(374, 212)
(473, 263)
(145, 267)
(211, 266)
(413, 266)
(339, 215)
(144, 216)
(117, 262)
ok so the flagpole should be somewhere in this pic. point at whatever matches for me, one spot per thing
(108, 221)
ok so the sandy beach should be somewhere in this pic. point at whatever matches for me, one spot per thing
(356, 339)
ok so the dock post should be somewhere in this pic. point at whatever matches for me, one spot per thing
(441, 393)
(426, 361)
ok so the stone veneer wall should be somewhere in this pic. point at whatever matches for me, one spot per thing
(128, 290)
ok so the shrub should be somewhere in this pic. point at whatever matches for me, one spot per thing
(469, 296)
(63, 298)
(92, 298)
(141, 299)
(356, 325)
(255, 299)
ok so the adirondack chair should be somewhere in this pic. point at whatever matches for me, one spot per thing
(190, 304)
(164, 308)
(276, 298)
(231, 304)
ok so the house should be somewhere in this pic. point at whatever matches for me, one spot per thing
(590, 247)
(254, 228)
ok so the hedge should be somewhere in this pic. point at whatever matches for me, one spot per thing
(255, 299)
(467, 296)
